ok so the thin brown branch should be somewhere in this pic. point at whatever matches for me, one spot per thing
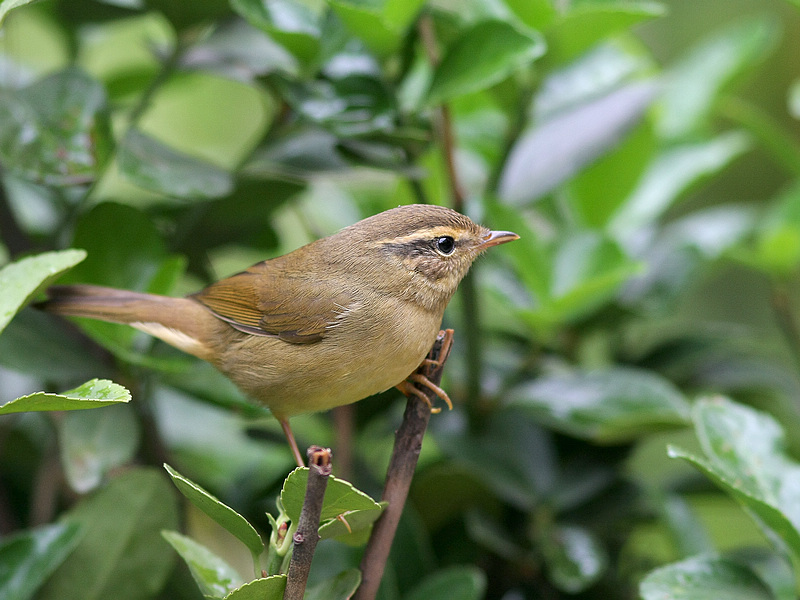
(407, 446)
(307, 534)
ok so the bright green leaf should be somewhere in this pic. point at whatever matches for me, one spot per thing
(213, 576)
(92, 394)
(671, 174)
(482, 56)
(695, 83)
(551, 152)
(269, 588)
(121, 554)
(382, 28)
(575, 559)
(154, 166)
(22, 280)
(609, 406)
(228, 518)
(340, 587)
(28, 558)
(704, 578)
(453, 583)
(7, 5)
(95, 442)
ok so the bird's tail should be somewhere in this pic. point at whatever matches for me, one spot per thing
(181, 322)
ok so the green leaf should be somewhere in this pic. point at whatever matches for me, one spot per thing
(92, 394)
(341, 500)
(704, 578)
(156, 167)
(22, 280)
(8, 5)
(794, 99)
(453, 583)
(670, 175)
(213, 576)
(95, 442)
(482, 56)
(340, 587)
(121, 554)
(586, 22)
(575, 559)
(550, 153)
(696, 82)
(228, 518)
(56, 130)
(358, 521)
(382, 28)
(269, 588)
(609, 406)
(28, 558)
(292, 24)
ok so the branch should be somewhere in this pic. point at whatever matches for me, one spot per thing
(307, 534)
(407, 446)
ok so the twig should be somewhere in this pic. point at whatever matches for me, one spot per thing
(407, 446)
(307, 534)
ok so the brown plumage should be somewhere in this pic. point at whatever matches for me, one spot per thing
(335, 321)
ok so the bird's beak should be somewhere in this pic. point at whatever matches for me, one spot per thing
(495, 238)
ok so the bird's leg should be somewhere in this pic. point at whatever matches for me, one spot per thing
(420, 376)
(292, 442)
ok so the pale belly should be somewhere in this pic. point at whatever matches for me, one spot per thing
(357, 359)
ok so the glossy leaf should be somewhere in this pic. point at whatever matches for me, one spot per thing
(213, 575)
(382, 28)
(482, 56)
(28, 558)
(340, 587)
(22, 280)
(56, 130)
(154, 166)
(609, 406)
(92, 394)
(703, 578)
(269, 588)
(586, 22)
(693, 86)
(671, 174)
(292, 24)
(121, 554)
(453, 583)
(575, 560)
(95, 442)
(549, 154)
(219, 512)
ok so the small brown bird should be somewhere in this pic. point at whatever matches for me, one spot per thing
(335, 321)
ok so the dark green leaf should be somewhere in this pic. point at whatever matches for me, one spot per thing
(156, 167)
(27, 559)
(22, 280)
(228, 518)
(453, 583)
(482, 56)
(214, 576)
(575, 560)
(704, 578)
(121, 554)
(95, 442)
(55, 131)
(610, 406)
(92, 394)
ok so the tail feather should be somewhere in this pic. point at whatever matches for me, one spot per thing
(181, 322)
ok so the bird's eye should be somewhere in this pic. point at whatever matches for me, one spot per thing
(445, 245)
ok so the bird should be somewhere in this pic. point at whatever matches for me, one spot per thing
(335, 321)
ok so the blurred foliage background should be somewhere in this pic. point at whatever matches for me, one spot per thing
(626, 376)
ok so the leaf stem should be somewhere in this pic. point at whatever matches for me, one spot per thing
(307, 534)
(407, 446)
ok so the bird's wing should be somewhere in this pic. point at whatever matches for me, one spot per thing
(265, 301)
